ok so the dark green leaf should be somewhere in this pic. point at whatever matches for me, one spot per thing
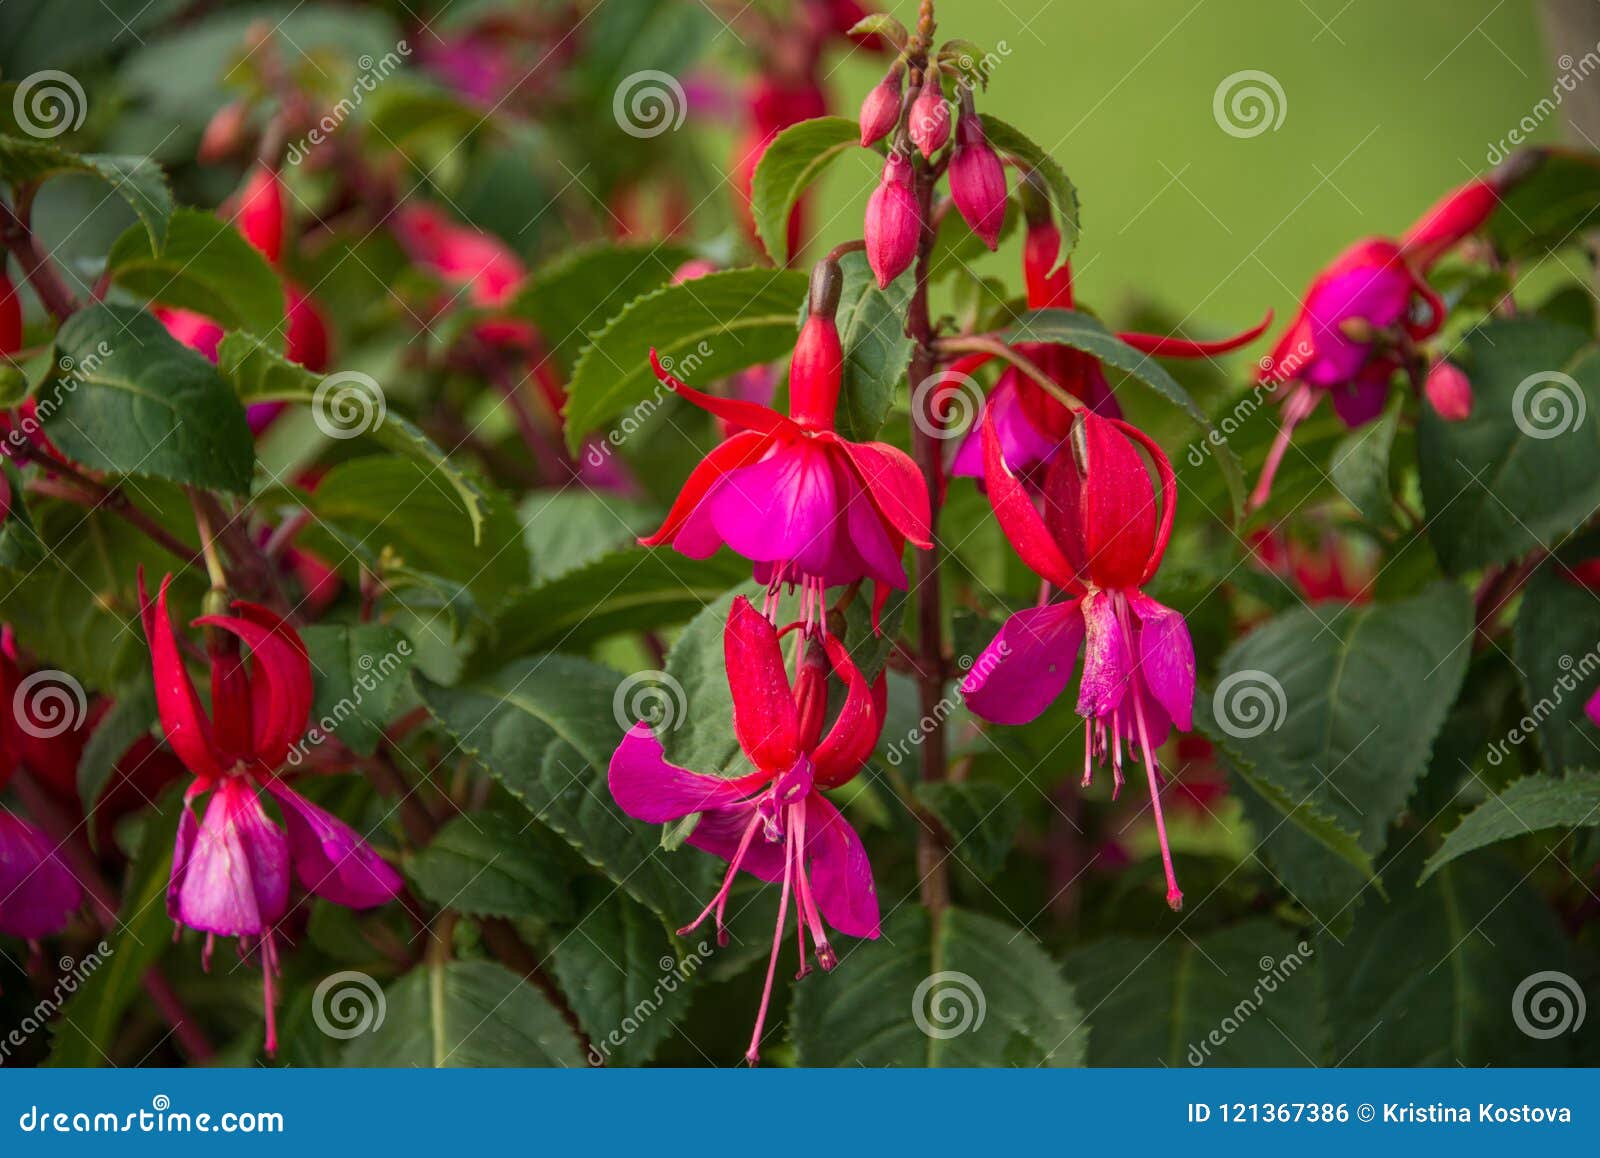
(1030, 156)
(794, 159)
(137, 180)
(1532, 804)
(493, 864)
(1550, 208)
(872, 330)
(206, 266)
(359, 671)
(1557, 650)
(1360, 468)
(981, 818)
(20, 546)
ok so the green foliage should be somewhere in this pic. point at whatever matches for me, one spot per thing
(795, 158)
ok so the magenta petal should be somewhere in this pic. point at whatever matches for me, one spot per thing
(37, 892)
(1166, 658)
(841, 875)
(648, 788)
(330, 858)
(877, 552)
(1027, 665)
(784, 507)
(182, 849)
(1105, 658)
(236, 881)
(1363, 399)
(1021, 443)
(720, 832)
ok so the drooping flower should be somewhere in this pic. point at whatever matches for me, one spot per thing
(810, 509)
(482, 265)
(774, 823)
(893, 224)
(1449, 391)
(929, 122)
(1032, 423)
(1100, 540)
(880, 110)
(977, 178)
(231, 866)
(1363, 313)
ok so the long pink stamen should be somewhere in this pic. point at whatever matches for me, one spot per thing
(1136, 690)
(720, 901)
(809, 914)
(753, 1054)
(1295, 411)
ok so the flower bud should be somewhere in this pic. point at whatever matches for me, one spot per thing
(10, 315)
(894, 223)
(880, 112)
(930, 116)
(262, 218)
(1449, 390)
(977, 179)
(224, 134)
(817, 366)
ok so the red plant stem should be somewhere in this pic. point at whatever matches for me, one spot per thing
(64, 835)
(16, 233)
(85, 492)
(928, 451)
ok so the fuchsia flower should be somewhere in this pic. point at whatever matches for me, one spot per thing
(1449, 391)
(230, 868)
(38, 894)
(929, 123)
(880, 110)
(977, 179)
(1100, 539)
(807, 507)
(1363, 313)
(774, 823)
(1031, 423)
(461, 255)
(893, 224)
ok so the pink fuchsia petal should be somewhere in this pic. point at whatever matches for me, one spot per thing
(739, 450)
(1019, 519)
(721, 832)
(648, 788)
(1027, 665)
(1166, 658)
(37, 892)
(183, 721)
(236, 881)
(1592, 708)
(183, 848)
(1022, 444)
(330, 858)
(897, 489)
(764, 715)
(841, 874)
(1362, 399)
(869, 548)
(1105, 658)
(786, 507)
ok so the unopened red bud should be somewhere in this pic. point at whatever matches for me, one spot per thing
(930, 117)
(894, 224)
(816, 369)
(978, 180)
(262, 217)
(1449, 390)
(10, 316)
(880, 112)
(225, 133)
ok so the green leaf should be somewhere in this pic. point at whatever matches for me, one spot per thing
(1556, 643)
(1550, 208)
(1441, 975)
(1089, 334)
(546, 727)
(1360, 468)
(260, 374)
(629, 590)
(706, 329)
(206, 266)
(462, 1014)
(1329, 713)
(990, 995)
(359, 671)
(131, 716)
(872, 330)
(127, 398)
(981, 818)
(20, 546)
(566, 529)
(620, 972)
(1523, 469)
(573, 297)
(1030, 156)
(137, 180)
(794, 159)
(91, 1019)
(493, 864)
(1532, 804)
(1245, 996)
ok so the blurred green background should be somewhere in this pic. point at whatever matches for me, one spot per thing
(1387, 103)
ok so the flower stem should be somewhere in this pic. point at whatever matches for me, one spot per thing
(16, 233)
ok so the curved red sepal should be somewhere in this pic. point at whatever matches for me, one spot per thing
(1449, 221)
(280, 682)
(1169, 494)
(749, 415)
(1116, 505)
(1018, 518)
(183, 720)
(764, 714)
(742, 449)
(897, 490)
(1164, 346)
(845, 749)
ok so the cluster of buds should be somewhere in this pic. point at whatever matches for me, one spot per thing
(896, 212)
